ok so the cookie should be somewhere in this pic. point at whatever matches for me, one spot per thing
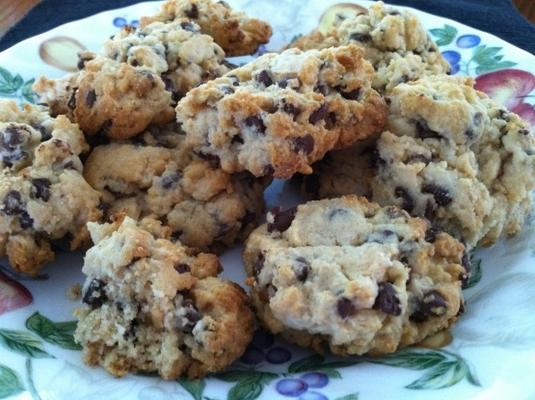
(395, 42)
(451, 155)
(109, 98)
(354, 277)
(281, 112)
(176, 51)
(154, 306)
(157, 176)
(233, 30)
(43, 195)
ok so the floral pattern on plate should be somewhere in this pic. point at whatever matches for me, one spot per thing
(39, 358)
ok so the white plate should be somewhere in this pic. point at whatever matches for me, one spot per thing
(493, 351)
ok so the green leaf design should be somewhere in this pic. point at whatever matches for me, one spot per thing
(488, 59)
(475, 274)
(10, 383)
(234, 375)
(353, 396)
(9, 84)
(306, 364)
(444, 35)
(472, 378)
(443, 375)
(246, 389)
(194, 387)
(23, 343)
(60, 333)
(27, 91)
(416, 359)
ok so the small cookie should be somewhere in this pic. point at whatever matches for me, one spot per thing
(176, 51)
(233, 30)
(353, 276)
(152, 305)
(281, 112)
(158, 176)
(107, 97)
(395, 42)
(43, 196)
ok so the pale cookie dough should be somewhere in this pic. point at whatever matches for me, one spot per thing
(43, 195)
(281, 112)
(153, 305)
(395, 42)
(233, 30)
(157, 176)
(354, 277)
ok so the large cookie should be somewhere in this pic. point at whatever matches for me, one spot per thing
(281, 112)
(352, 276)
(233, 30)
(157, 176)
(152, 305)
(43, 194)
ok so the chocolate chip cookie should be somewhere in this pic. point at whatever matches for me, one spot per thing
(43, 195)
(156, 175)
(395, 42)
(109, 98)
(233, 30)
(451, 155)
(281, 112)
(352, 276)
(177, 51)
(153, 305)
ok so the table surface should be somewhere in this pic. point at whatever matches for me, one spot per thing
(12, 12)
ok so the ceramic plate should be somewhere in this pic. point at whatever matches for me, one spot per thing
(492, 354)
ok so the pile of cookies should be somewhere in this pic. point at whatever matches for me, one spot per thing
(158, 151)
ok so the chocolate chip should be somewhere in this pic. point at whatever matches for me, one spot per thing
(321, 89)
(393, 12)
(11, 138)
(330, 120)
(375, 159)
(227, 89)
(281, 219)
(235, 79)
(95, 295)
(223, 230)
(131, 331)
(264, 78)
(351, 95)
(193, 12)
(345, 307)
(82, 61)
(424, 132)
(192, 316)
(258, 265)
(302, 269)
(318, 114)
(229, 65)
(90, 98)
(72, 100)
(12, 204)
(387, 299)
(170, 87)
(182, 268)
(25, 220)
(433, 304)
(441, 195)
(283, 83)
(212, 159)
(41, 188)
(360, 37)
(188, 26)
(336, 212)
(256, 123)
(169, 180)
(291, 109)
(237, 139)
(524, 132)
(407, 202)
(394, 212)
(303, 144)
